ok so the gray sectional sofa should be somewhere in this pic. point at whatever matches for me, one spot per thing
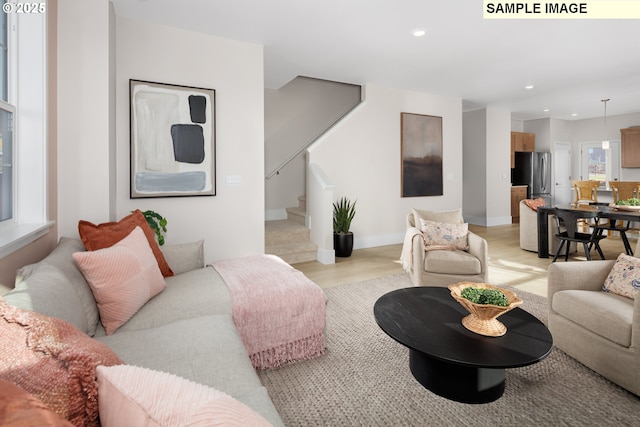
(186, 330)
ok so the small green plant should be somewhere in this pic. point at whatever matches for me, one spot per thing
(629, 202)
(343, 212)
(158, 224)
(485, 296)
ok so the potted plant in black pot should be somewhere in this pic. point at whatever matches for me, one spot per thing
(343, 212)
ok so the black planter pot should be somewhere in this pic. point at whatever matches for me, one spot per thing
(343, 244)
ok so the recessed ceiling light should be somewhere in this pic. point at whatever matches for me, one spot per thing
(529, 87)
(574, 114)
(419, 32)
(546, 110)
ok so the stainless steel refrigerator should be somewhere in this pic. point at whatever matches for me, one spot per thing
(534, 171)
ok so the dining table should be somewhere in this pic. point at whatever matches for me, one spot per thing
(611, 212)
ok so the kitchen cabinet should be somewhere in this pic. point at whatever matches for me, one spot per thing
(518, 192)
(521, 141)
(630, 147)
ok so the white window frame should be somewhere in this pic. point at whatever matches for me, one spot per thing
(612, 160)
(27, 92)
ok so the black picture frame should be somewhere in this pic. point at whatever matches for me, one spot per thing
(173, 140)
(421, 155)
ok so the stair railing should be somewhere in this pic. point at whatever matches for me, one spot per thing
(276, 171)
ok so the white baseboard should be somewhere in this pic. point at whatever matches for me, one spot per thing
(275, 214)
(375, 241)
(488, 222)
(498, 220)
(326, 256)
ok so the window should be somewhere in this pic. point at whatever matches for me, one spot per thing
(599, 164)
(23, 125)
(6, 161)
(6, 126)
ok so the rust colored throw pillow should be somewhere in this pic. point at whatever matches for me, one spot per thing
(534, 203)
(109, 233)
(21, 409)
(54, 361)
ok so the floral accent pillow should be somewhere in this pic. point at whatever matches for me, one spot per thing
(624, 277)
(444, 235)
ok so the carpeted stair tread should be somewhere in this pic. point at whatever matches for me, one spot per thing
(290, 241)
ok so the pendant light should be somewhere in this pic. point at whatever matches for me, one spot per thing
(605, 141)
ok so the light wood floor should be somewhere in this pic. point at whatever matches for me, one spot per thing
(508, 264)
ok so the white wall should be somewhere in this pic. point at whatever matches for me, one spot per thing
(93, 125)
(296, 114)
(542, 129)
(498, 161)
(475, 167)
(232, 222)
(592, 130)
(361, 157)
(487, 172)
(84, 131)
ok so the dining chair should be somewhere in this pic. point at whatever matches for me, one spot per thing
(621, 190)
(569, 219)
(585, 192)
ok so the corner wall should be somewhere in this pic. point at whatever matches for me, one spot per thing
(487, 179)
(361, 157)
(85, 138)
(232, 222)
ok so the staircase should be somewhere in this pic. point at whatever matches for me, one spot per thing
(290, 238)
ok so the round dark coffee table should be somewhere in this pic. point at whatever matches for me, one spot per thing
(450, 360)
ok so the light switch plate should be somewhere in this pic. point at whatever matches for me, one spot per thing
(234, 180)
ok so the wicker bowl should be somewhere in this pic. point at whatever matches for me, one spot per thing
(483, 318)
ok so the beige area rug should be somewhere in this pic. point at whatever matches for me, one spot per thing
(364, 379)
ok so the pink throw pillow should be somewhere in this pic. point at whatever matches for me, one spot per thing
(129, 395)
(104, 235)
(21, 409)
(54, 361)
(122, 278)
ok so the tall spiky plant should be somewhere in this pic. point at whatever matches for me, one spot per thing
(343, 212)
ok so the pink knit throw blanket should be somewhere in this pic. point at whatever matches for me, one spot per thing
(279, 312)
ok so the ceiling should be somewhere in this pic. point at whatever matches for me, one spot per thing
(573, 64)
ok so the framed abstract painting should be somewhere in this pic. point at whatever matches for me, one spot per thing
(421, 153)
(172, 140)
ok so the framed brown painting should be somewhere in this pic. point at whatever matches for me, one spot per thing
(421, 154)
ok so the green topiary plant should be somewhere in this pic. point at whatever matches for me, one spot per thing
(485, 296)
(343, 212)
(158, 224)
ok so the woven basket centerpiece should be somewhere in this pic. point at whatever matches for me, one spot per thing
(483, 318)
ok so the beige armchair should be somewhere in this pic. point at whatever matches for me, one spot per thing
(442, 267)
(599, 329)
(529, 231)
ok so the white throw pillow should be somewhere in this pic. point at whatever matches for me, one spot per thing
(133, 396)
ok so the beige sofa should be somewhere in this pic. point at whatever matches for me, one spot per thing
(442, 267)
(186, 330)
(529, 231)
(599, 329)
